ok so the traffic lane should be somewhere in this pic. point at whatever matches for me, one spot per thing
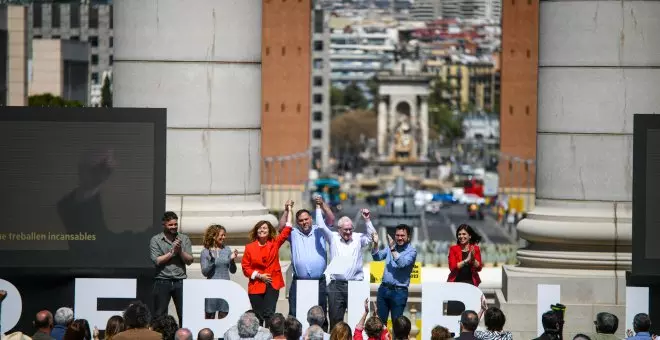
(488, 227)
(439, 227)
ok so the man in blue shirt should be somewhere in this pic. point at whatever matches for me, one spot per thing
(308, 251)
(641, 326)
(399, 258)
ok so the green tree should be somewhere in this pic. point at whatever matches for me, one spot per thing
(442, 119)
(336, 96)
(372, 84)
(350, 127)
(354, 98)
(106, 92)
(48, 100)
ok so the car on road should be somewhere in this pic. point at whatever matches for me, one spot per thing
(444, 198)
(433, 207)
(471, 198)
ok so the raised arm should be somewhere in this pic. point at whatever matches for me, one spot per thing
(285, 215)
(368, 237)
(286, 231)
(320, 222)
(329, 215)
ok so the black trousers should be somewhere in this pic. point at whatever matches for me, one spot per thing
(323, 300)
(337, 301)
(162, 292)
(264, 304)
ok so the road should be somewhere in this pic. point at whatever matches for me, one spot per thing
(442, 226)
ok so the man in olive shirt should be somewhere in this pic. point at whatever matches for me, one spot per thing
(171, 252)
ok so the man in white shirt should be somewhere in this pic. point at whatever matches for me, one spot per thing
(346, 247)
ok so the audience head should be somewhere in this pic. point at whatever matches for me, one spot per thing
(63, 316)
(276, 324)
(205, 334)
(183, 334)
(85, 325)
(292, 328)
(606, 323)
(440, 333)
(316, 316)
(641, 323)
(44, 320)
(314, 332)
(114, 326)
(494, 319)
(373, 327)
(165, 325)
(77, 330)
(401, 328)
(248, 325)
(137, 315)
(469, 321)
(341, 331)
(550, 322)
(581, 337)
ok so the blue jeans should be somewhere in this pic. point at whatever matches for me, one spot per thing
(391, 299)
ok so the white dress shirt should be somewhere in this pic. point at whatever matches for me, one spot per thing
(342, 250)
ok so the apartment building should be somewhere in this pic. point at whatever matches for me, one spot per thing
(320, 122)
(14, 44)
(472, 82)
(61, 68)
(89, 22)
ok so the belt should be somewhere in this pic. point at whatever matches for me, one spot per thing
(322, 278)
(393, 287)
(167, 280)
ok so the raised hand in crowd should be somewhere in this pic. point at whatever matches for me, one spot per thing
(390, 242)
(366, 214)
(319, 201)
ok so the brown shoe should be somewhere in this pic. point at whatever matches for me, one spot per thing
(3, 294)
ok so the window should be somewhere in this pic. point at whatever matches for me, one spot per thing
(112, 42)
(93, 17)
(511, 109)
(529, 54)
(267, 50)
(36, 15)
(112, 16)
(527, 110)
(74, 15)
(266, 107)
(74, 38)
(318, 98)
(55, 15)
(37, 37)
(318, 64)
(283, 50)
(318, 45)
(95, 59)
(95, 78)
(318, 21)
(317, 116)
(94, 41)
(56, 36)
(317, 134)
(111, 60)
(318, 81)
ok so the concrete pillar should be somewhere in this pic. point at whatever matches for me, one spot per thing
(201, 61)
(391, 124)
(382, 126)
(597, 68)
(424, 125)
(414, 118)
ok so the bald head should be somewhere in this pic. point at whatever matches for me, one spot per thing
(205, 334)
(43, 320)
(183, 334)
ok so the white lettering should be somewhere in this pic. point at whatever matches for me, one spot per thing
(12, 306)
(546, 295)
(196, 291)
(88, 291)
(307, 296)
(435, 296)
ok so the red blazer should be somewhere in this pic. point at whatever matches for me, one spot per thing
(265, 260)
(456, 256)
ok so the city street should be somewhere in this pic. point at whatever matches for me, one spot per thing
(442, 226)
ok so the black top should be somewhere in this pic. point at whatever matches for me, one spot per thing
(465, 273)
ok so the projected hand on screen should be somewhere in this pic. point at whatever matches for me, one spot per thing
(93, 170)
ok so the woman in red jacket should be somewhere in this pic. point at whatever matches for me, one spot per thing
(465, 257)
(261, 265)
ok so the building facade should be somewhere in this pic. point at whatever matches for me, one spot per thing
(519, 59)
(14, 47)
(320, 93)
(89, 21)
(61, 68)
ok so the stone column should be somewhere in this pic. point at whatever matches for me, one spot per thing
(382, 126)
(596, 69)
(414, 118)
(202, 62)
(391, 124)
(424, 125)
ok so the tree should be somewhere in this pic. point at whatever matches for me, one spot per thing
(442, 118)
(106, 92)
(354, 98)
(336, 96)
(372, 84)
(48, 100)
(352, 128)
